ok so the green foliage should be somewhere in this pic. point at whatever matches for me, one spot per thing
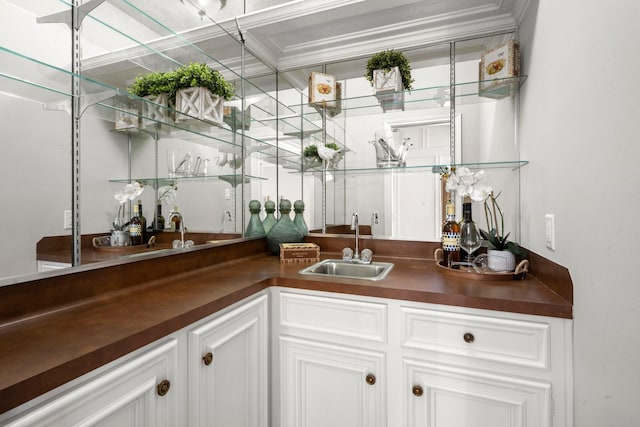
(312, 150)
(201, 75)
(388, 59)
(495, 222)
(192, 75)
(153, 84)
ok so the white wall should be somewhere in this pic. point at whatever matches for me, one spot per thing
(579, 130)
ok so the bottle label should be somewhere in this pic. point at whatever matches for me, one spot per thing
(451, 242)
(135, 230)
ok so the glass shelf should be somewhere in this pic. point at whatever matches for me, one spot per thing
(424, 98)
(436, 168)
(233, 179)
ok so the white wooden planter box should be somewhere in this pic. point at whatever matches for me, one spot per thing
(155, 111)
(388, 89)
(127, 118)
(198, 103)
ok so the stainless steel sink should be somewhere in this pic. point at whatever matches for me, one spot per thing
(340, 268)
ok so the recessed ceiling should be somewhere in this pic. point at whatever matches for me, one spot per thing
(282, 35)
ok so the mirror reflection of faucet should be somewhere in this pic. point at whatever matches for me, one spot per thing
(374, 222)
(176, 217)
(225, 215)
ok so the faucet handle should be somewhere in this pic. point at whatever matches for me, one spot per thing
(366, 256)
(347, 254)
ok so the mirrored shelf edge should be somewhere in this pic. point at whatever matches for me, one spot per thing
(437, 168)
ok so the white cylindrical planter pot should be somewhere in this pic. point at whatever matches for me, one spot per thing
(501, 260)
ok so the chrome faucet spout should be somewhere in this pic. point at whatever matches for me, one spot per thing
(178, 215)
(356, 226)
(374, 222)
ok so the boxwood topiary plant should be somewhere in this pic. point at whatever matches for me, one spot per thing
(388, 59)
(153, 84)
(201, 75)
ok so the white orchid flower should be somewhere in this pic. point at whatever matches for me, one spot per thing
(480, 192)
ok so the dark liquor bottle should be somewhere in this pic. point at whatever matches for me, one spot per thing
(144, 221)
(451, 236)
(135, 227)
(159, 218)
(175, 219)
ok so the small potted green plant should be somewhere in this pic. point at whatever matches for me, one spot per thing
(385, 62)
(200, 92)
(157, 88)
(502, 252)
(389, 72)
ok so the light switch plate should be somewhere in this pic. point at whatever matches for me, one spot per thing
(68, 220)
(550, 231)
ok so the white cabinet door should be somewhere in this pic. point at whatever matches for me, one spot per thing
(135, 393)
(447, 396)
(228, 369)
(331, 385)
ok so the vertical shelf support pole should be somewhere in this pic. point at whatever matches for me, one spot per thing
(75, 133)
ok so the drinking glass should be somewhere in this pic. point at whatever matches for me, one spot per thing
(470, 239)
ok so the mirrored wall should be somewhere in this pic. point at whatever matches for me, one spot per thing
(53, 168)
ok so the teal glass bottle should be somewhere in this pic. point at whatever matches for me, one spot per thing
(254, 228)
(285, 231)
(298, 219)
(270, 220)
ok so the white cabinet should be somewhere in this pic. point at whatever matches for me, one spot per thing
(172, 382)
(434, 365)
(332, 361)
(228, 368)
(136, 392)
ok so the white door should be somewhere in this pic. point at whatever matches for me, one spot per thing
(446, 396)
(228, 369)
(331, 385)
(413, 197)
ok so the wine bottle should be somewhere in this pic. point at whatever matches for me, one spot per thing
(143, 220)
(451, 236)
(159, 218)
(135, 227)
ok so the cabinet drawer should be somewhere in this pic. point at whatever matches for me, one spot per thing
(319, 316)
(517, 342)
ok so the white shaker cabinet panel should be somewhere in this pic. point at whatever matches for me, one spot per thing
(228, 368)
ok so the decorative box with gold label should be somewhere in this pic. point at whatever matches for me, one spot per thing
(322, 89)
(496, 65)
(299, 252)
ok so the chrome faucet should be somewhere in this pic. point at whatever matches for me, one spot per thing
(176, 214)
(374, 221)
(356, 226)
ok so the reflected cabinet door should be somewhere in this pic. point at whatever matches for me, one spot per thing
(331, 385)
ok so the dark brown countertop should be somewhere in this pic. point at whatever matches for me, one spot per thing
(60, 326)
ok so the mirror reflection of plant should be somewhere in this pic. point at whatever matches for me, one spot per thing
(496, 236)
(312, 150)
(153, 84)
(128, 193)
(388, 59)
(167, 194)
(191, 75)
(202, 75)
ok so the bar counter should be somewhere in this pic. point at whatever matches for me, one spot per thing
(57, 326)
